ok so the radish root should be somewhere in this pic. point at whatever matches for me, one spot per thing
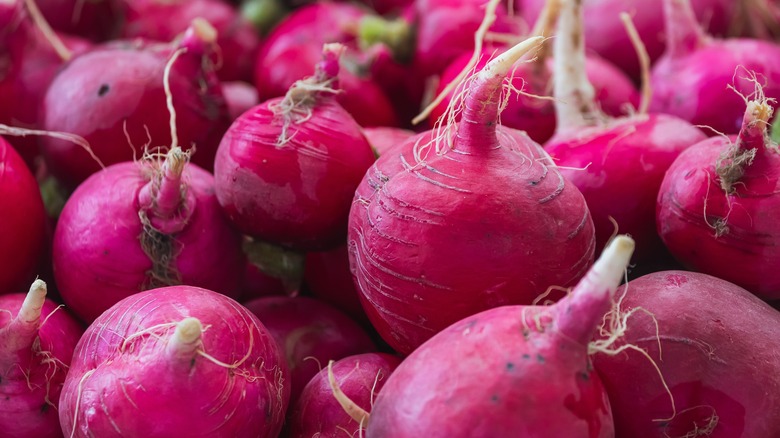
(350, 407)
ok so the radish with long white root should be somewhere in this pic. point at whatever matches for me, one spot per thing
(37, 339)
(137, 226)
(120, 86)
(176, 362)
(336, 402)
(705, 360)
(617, 163)
(718, 205)
(692, 80)
(22, 221)
(463, 218)
(511, 371)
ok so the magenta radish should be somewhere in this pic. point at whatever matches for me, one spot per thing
(97, 20)
(604, 32)
(509, 371)
(309, 334)
(617, 163)
(384, 138)
(328, 277)
(183, 347)
(137, 226)
(121, 86)
(239, 97)
(294, 47)
(357, 380)
(37, 339)
(23, 221)
(717, 204)
(287, 169)
(693, 79)
(464, 218)
(709, 340)
(163, 20)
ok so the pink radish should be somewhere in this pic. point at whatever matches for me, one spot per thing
(22, 221)
(287, 169)
(137, 226)
(509, 371)
(463, 218)
(37, 340)
(717, 352)
(309, 334)
(239, 97)
(121, 86)
(384, 138)
(617, 163)
(163, 20)
(353, 380)
(176, 347)
(693, 78)
(718, 202)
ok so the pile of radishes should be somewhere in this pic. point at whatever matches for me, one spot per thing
(389, 218)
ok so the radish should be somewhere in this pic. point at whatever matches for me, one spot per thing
(98, 20)
(137, 226)
(287, 169)
(329, 279)
(295, 46)
(239, 97)
(384, 138)
(463, 218)
(258, 284)
(22, 221)
(309, 334)
(604, 30)
(693, 78)
(717, 348)
(163, 20)
(37, 339)
(617, 163)
(718, 202)
(120, 86)
(177, 361)
(356, 380)
(509, 371)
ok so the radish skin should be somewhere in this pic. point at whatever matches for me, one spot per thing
(472, 378)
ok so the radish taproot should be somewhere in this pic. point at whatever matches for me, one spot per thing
(718, 204)
(509, 371)
(137, 226)
(183, 347)
(22, 221)
(354, 381)
(617, 163)
(463, 218)
(309, 334)
(692, 80)
(714, 368)
(121, 86)
(286, 170)
(37, 339)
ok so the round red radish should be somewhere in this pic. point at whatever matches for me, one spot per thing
(137, 226)
(509, 371)
(309, 334)
(287, 169)
(719, 360)
(692, 78)
(718, 204)
(318, 413)
(37, 340)
(294, 47)
(464, 218)
(384, 138)
(176, 361)
(120, 86)
(163, 20)
(618, 164)
(22, 221)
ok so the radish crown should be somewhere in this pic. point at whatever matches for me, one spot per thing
(683, 33)
(22, 330)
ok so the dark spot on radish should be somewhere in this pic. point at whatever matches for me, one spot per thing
(494, 399)
(192, 363)
(510, 366)
(44, 408)
(103, 90)
(583, 376)
(539, 358)
(526, 356)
